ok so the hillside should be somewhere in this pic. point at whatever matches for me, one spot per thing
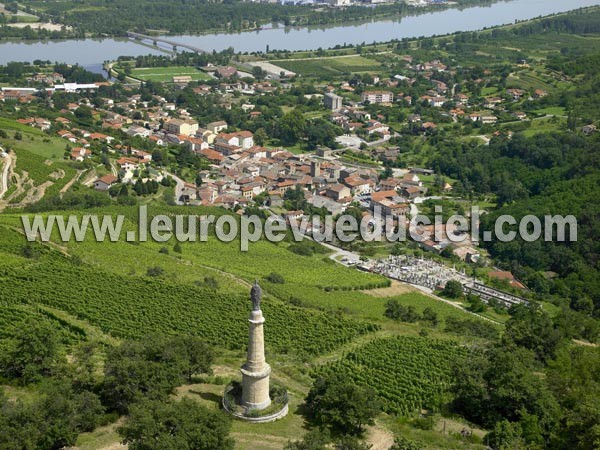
(124, 339)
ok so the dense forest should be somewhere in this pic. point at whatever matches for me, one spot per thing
(548, 173)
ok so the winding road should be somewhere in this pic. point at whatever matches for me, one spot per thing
(6, 161)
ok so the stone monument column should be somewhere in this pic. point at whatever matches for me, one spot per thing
(255, 371)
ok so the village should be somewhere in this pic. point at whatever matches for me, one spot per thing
(415, 216)
(144, 141)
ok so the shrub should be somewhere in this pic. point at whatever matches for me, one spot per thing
(275, 278)
(155, 271)
(453, 289)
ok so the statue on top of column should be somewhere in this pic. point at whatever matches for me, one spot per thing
(255, 296)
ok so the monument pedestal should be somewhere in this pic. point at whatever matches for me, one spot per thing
(255, 372)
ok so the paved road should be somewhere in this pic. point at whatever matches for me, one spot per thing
(484, 138)
(178, 188)
(341, 253)
(420, 200)
(7, 161)
(356, 257)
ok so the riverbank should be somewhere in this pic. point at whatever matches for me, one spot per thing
(246, 18)
(93, 52)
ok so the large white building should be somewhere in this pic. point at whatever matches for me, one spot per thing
(377, 97)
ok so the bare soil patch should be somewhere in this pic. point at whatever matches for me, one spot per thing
(396, 288)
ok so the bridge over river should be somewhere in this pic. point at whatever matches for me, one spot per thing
(155, 40)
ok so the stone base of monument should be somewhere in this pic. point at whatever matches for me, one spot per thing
(234, 405)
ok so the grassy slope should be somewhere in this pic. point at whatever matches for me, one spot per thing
(39, 156)
(303, 275)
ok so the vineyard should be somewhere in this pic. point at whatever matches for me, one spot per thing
(40, 171)
(408, 373)
(135, 306)
(12, 318)
(263, 258)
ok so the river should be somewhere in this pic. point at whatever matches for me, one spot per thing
(91, 53)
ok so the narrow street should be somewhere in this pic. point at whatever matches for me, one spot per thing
(178, 188)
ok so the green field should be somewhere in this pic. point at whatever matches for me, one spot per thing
(34, 140)
(329, 66)
(553, 111)
(166, 74)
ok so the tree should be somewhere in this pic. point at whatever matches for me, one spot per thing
(532, 328)
(152, 367)
(196, 352)
(198, 180)
(157, 157)
(506, 436)
(258, 72)
(397, 250)
(476, 304)
(260, 137)
(341, 404)
(351, 443)
(155, 271)
(429, 315)
(388, 172)
(83, 363)
(123, 191)
(320, 132)
(32, 352)
(503, 385)
(453, 289)
(51, 421)
(146, 368)
(211, 282)
(185, 425)
(394, 310)
(83, 112)
(578, 394)
(276, 278)
(291, 127)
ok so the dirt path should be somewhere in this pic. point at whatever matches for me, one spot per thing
(360, 341)
(379, 437)
(72, 181)
(584, 343)
(34, 195)
(4, 177)
(89, 178)
(396, 288)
